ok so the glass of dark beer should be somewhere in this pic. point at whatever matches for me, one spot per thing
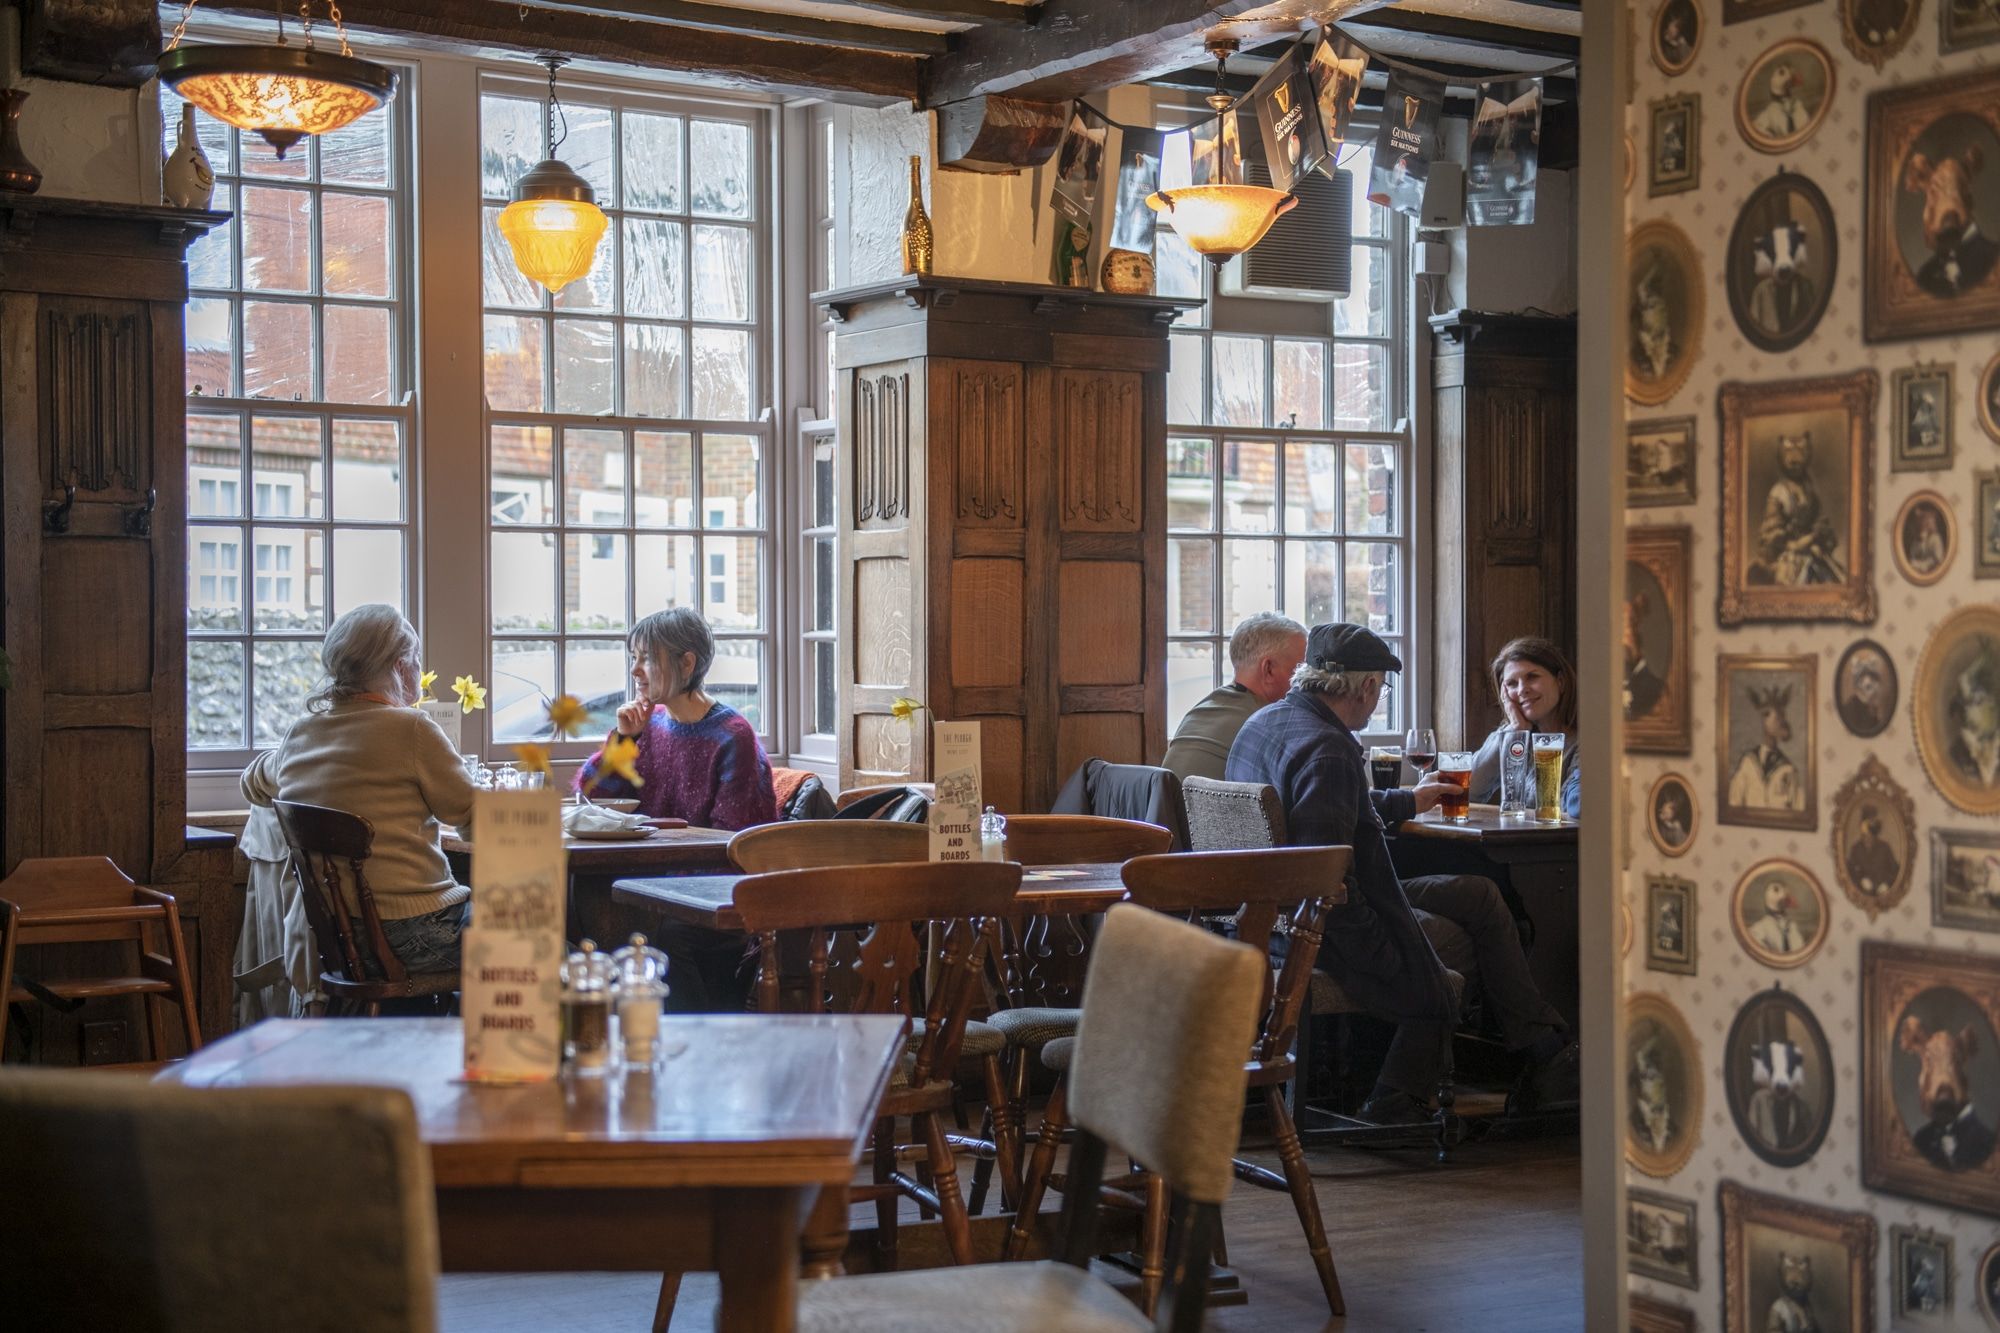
(1385, 767)
(1456, 766)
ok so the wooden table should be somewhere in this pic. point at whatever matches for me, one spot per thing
(594, 865)
(709, 900)
(1535, 864)
(710, 1164)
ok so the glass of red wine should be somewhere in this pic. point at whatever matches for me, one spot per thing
(1420, 747)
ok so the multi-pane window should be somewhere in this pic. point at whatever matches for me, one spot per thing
(628, 465)
(1287, 463)
(299, 423)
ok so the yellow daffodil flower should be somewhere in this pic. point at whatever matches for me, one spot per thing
(620, 757)
(533, 758)
(424, 684)
(471, 694)
(568, 716)
(905, 708)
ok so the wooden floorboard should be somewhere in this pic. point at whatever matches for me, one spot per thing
(1491, 1242)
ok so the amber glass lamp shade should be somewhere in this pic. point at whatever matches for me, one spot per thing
(282, 93)
(553, 226)
(1221, 221)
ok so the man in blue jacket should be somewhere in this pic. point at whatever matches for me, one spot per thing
(1390, 944)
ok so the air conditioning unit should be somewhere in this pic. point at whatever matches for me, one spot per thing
(1307, 254)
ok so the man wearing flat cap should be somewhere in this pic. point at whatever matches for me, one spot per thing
(1396, 947)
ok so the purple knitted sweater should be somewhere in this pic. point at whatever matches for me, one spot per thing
(712, 773)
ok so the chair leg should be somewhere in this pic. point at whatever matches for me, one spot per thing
(944, 1180)
(663, 1309)
(1153, 1244)
(1304, 1199)
(1006, 1134)
(1039, 1170)
(885, 1199)
(156, 1026)
(982, 1168)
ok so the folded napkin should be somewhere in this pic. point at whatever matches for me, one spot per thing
(597, 819)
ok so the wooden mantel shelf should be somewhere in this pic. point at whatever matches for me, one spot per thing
(19, 215)
(937, 292)
(1460, 327)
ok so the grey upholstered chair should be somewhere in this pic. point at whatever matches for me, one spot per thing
(1232, 816)
(148, 1206)
(1168, 1011)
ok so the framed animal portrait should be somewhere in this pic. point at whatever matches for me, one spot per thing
(1875, 30)
(1667, 309)
(1647, 1315)
(1989, 398)
(1985, 524)
(1926, 538)
(1676, 35)
(1965, 879)
(1779, 913)
(1656, 692)
(1797, 500)
(1663, 1083)
(1782, 254)
(1932, 228)
(1793, 1265)
(1865, 688)
(1986, 1285)
(1767, 742)
(1921, 408)
(1662, 1238)
(1777, 1070)
(1920, 1276)
(1630, 159)
(1624, 929)
(1955, 708)
(1930, 1075)
(1671, 938)
(1659, 462)
(1672, 814)
(1742, 11)
(1964, 24)
(1784, 96)
(1874, 839)
(1673, 159)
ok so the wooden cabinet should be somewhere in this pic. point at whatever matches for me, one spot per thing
(1504, 391)
(1002, 481)
(93, 547)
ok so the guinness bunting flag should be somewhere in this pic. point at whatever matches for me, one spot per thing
(1073, 200)
(1288, 120)
(1407, 143)
(1502, 154)
(1132, 223)
(1336, 70)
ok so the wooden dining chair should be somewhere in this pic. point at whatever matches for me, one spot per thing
(89, 900)
(143, 1205)
(804, 844)
(1168, 1011)
(1273, 892)
(893, 903)
(358, 969)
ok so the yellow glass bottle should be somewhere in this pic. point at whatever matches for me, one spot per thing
(916, 225)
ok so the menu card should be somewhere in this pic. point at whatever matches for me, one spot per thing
(509, 977)
(447, 714)
(955, 809)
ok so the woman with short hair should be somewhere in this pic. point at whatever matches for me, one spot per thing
(363, 749)
(700, 759)
(1537, 689)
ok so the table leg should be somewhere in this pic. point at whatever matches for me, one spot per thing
(825, 1239)
(757, 1258)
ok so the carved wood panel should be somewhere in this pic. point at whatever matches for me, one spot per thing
(1101, 437)
(95, 398)
(1100, 613)
(882, 623)
(982, 403)
(986, 622)
(882, 447)
(1515, 426)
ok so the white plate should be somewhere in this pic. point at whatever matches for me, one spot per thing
(612, 834)
(624, 805)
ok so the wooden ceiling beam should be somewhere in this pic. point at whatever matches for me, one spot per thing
(956, 11)
(1457, 31)
(756, 63)
(760, 23)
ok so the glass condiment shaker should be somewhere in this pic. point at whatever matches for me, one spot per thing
(587, 980)
(992, 835)
(642, 990)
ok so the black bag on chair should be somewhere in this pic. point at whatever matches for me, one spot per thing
(897, 803)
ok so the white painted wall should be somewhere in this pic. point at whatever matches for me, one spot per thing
(90, 143)
(1516, 269)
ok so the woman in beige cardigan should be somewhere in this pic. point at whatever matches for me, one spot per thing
(362, 748)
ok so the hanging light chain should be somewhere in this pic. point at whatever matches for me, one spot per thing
(306, 22)
(339, 26)
(554, 108)
(180, 28)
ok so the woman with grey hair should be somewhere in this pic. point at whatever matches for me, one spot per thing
(700, 759)
(363, 748)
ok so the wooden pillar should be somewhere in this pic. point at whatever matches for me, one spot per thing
(1002, 480)
(1504, 388)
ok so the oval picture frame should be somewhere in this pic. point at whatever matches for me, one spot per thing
(1959, 672)
(1670, 64)
(1662, 241)
(1770, 200)
(1873, 788)
(1923, 578)
(1877, 52)
(1760, 137)
(1862, 726)
(1737, 1076)
(1653, 830)
(1649, 1112)
(1987, 391)
(1986, 1285)
(1760, 946)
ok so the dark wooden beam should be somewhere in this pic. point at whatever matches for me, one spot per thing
(759, 23)
(113, 42)
(1465, 32)
(950, 11)
(509, 30)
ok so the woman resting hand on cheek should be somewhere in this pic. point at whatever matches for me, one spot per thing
(1537, 688)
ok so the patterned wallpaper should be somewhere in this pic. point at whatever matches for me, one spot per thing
(1867, 1215)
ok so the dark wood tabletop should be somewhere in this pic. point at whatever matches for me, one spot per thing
(661, 850)
(1486, 828)
(709, 900)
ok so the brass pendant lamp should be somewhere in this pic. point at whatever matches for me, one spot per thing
(1223, 219)
(280, 92)
(554, 224)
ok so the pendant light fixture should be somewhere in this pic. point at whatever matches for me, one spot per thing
(554, 223)
(282, 92)
(1223, 219)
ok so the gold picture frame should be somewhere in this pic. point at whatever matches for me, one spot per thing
(1920, 558)
(1771, 125)
(1668, 310)
(1673, 49)
(1876, 45)
(1675, 839)
(1674, 128)
(1923, 411)
(1767, 773)
(1673, 937)
(1663, 1070)
(1757, 1227)
(1955, 708)
(1657, 689)
(1874, 871)
(1987, 389)
(1651, 1316)
(1798, 499)
(1767, 939)
(1984, 524)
